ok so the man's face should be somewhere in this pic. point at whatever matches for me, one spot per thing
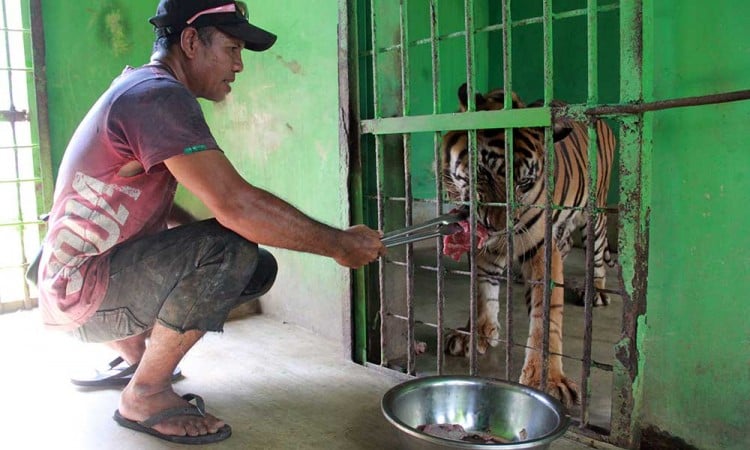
(216, 65)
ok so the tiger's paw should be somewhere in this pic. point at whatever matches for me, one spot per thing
(601, 299)
(558, 386)
(458, 342)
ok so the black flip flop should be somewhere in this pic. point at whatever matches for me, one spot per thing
(117, 373)
(198, 409)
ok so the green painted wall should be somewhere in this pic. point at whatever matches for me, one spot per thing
(697, 340)
(279, 126)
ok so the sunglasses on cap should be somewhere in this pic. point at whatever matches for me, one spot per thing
(231, 18)
(239, 8)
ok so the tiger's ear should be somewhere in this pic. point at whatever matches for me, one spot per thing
(553, 103)
(561, 129)
(536, 103)
(479, 100)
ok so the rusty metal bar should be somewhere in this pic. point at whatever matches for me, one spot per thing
(440, 269)
(509, 188)
(634, 152)
(571, 284)
(379, 169)
(408, 210)
(642, 107)
(610, 209)
(588, 298)
(473, 167)
(599, 365)
(549, 187)
(381, 263)
(594, 363)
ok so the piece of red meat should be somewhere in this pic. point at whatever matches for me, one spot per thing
(455, 245)
(443, 430)
(456, 432)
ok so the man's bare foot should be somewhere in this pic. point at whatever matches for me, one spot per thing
(130, 349)
(138, 405)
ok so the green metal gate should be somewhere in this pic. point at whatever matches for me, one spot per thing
(401, 62)
(25, 170)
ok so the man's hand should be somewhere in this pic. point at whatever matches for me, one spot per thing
(361, 245)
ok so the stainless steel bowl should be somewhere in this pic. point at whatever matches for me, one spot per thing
(527, 417)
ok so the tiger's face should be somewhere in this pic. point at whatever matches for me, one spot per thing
(528, 162)
(490, 179)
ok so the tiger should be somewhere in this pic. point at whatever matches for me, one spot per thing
(570, 190)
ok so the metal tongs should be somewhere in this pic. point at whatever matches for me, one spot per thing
(439, 226)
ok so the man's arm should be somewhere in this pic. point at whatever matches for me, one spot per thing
(261, 217)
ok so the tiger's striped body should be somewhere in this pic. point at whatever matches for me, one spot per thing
(570, 190)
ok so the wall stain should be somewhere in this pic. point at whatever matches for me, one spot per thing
(116, 27)
(112, 27)
(265, 130)
(293, 65)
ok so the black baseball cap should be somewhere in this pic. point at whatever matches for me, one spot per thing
(173, 16)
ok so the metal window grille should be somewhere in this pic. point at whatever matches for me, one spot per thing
(23, 194)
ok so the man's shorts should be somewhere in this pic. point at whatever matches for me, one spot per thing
(186, 278)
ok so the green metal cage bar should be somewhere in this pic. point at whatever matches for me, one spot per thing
(408, 212)
(379, 165)
(549, 186)
(591, 99)
(473, 203)
(476, 120)
(633, 238)
(437, 142)
(509, 190)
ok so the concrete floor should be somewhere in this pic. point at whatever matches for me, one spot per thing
(278, 386)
